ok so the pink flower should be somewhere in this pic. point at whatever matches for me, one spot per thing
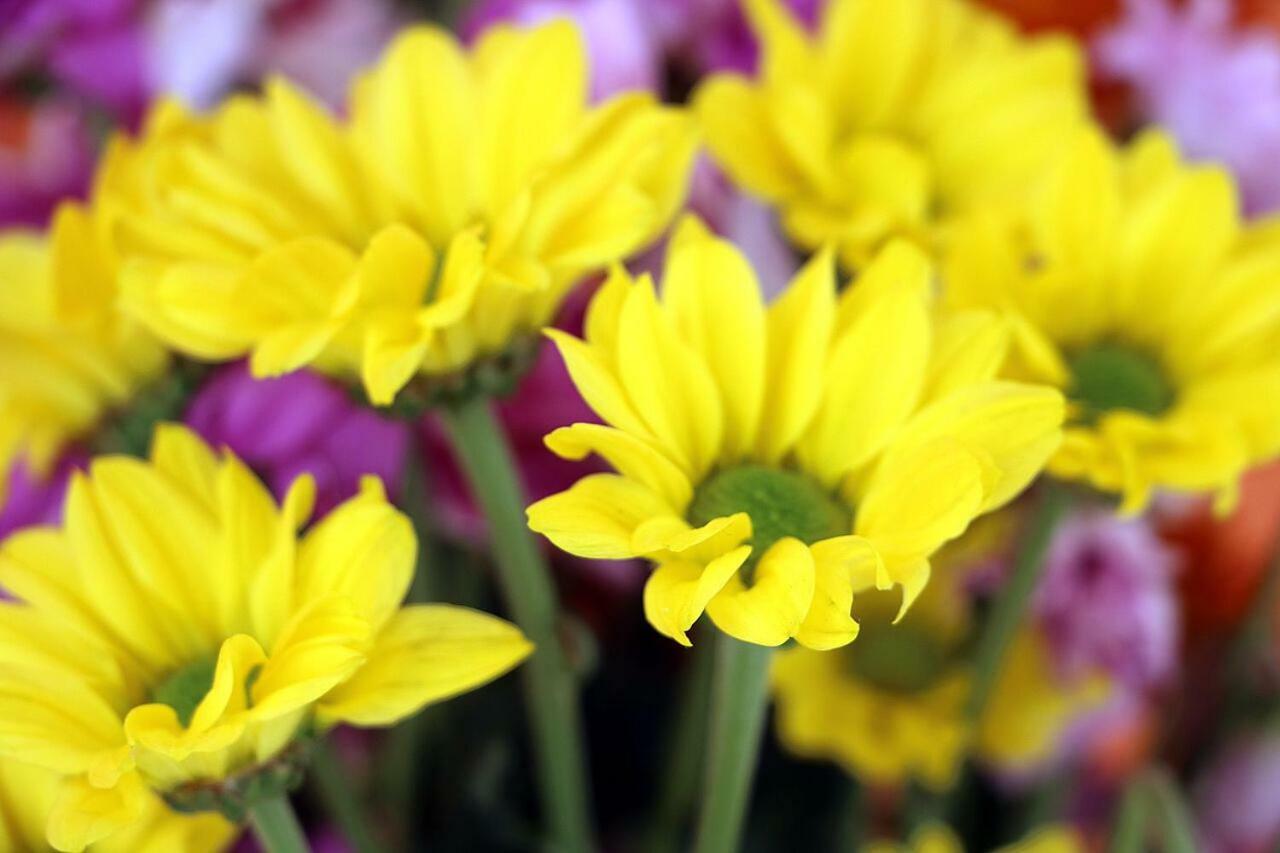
(32, 500)
(1235, 800)
(1216, 89)
(297, 424)
(1107, 600)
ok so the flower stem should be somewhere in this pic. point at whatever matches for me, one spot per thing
(276, 826)
(1010, 606)
(683, 762)
(340, 802)
(739, 699)
(551, 688)
(1176, 825)
(1129, 833)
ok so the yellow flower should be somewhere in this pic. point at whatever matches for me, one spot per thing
(28, 794)
(888, 708)
(438, 223)
(1134, 286)
(68, 358)
(176, 632)
(894, 118)
(933, 837)
(766, 457)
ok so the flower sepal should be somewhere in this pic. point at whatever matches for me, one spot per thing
(496, 375)
(234, 796)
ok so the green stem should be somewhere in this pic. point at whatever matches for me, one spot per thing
(1006, 615)
(684, 760)
(276, 826)
(1176, 825)
(739, 699)
(551, 688)
(1129, 834)
(340, 802)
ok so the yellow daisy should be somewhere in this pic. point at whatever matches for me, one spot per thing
(28, 794)
(888, 708)
(1134, 286)
(437, 225)
(938, 838)
(766, 456)
(892, 119)
(176, 635)
(69, 360)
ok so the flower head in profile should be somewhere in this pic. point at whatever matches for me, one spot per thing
(434, 227)
(891, 119)
(1136, 289)
(69, 359)
(176, 635)
(768, 456)
(29, 793)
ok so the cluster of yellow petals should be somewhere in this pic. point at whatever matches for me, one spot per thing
(1135, 248)
(186, 561)
(448, 211)
(891, 119)
(29, 793)
(68, 356)
(888, 407)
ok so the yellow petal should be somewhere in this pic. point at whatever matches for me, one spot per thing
(837, 562)
(877, 368)
(426, 653)
(799, 334)
(632, 457)
(669, 383)
(678, 591)
(771, 610)
(83, 815)
(597, 516)
(712, 294)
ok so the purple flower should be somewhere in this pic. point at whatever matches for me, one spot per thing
(713, 35)
(622, 47)
(1235, 801)
(297, 424)
(1107, 601)
(1216, 89)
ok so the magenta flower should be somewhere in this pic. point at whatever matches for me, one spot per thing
(299, 423)
(1107, 600)
(1216, 89)
(31, 499)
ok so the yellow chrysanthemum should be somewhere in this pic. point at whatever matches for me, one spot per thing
(1134, 286)
(68, 357)
(442, 219)
(176, 632)
(766, 457)
(888, 708)
(28, 794)
(892, 119)
(891, 707)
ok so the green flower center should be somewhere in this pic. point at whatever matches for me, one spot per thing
(185, 689)
(780, 504)
(1109, 376)
(897, 658)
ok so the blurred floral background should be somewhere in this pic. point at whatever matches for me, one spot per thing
(1149, 651)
